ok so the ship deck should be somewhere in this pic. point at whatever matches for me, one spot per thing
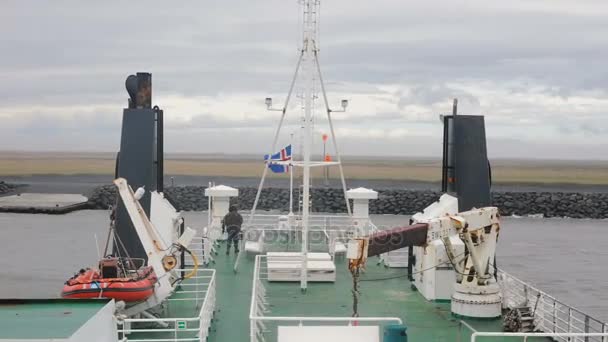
(383, 292)
(45, 319)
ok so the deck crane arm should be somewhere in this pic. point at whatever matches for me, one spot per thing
(478, 229)
(160, 255)
(475, 293)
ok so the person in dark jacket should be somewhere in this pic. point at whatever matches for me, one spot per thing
(232, 223)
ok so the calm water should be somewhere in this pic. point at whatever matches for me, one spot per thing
(567, 258)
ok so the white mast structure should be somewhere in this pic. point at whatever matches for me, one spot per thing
(308, 61)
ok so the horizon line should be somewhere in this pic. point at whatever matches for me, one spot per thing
(252, 155)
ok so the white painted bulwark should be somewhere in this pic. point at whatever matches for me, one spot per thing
(99, 328)
(329, 334)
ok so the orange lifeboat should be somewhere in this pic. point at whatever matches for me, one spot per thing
(89, 283)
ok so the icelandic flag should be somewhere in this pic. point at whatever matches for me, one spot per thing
(283, 155)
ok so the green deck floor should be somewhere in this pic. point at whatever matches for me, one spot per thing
(426, 321)
(45, 319)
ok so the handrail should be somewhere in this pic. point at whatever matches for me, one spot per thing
(256, 274)
(203, 316)
(256, 317)
(211, 285)
(544, 294)
(161, 340)
(314, 218)
(526, 335)
(326, 319)
(315, 228)
(550, 315)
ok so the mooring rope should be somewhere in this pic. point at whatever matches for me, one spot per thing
(355, 291)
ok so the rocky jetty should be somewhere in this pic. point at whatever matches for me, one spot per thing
(7, 188)
(401, 202)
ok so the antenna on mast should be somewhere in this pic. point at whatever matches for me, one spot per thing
(308, 64)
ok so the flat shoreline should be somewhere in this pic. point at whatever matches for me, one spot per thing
(386, 172)
(86, 183)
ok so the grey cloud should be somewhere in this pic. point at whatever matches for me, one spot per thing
(514, 148)
(430, 94)
(387, 118)
(204, 122)
(86, 132)
(591, 128)
(67, 53)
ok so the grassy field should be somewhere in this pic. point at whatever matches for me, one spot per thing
(504, 171)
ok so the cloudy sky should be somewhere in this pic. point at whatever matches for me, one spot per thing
(537, 69)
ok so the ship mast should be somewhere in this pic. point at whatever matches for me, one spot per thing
(308, 62)
(309, 50)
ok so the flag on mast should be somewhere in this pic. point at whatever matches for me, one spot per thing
(281, 156)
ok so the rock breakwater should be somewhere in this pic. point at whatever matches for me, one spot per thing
(396, 202)
(7, 188)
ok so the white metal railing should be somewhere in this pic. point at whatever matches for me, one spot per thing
(554, 336)
(551, 316)
(197, 293)
(265, 229)
(263, 328)
(319, 222)
(525, 335)
(204, 250)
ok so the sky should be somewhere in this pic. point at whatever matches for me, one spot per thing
(536, 69)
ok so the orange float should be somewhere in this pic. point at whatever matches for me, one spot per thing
(89, 284)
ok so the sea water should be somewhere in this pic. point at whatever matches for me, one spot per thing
(568, 258)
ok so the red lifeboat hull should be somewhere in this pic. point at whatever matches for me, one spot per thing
(89, 284)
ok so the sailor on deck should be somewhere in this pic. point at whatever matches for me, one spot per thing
(232, 223)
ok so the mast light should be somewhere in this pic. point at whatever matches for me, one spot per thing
(344, 104)
(268, 102)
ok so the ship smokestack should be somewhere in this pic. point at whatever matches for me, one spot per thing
(465, 169)
(140, 159)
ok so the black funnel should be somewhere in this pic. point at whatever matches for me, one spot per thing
(139, 88)
(140, 160)
(466, 169)
(131, 85)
